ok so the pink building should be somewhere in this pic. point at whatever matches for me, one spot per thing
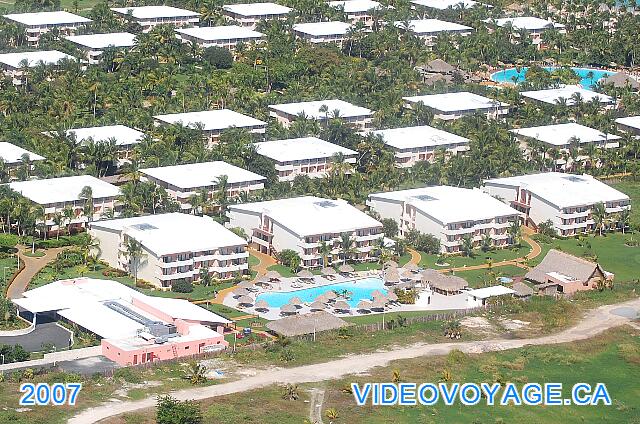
(134, 328)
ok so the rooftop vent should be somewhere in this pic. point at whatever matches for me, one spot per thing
(144, 227)
(573, 178)
(425, 197)
(326, 204)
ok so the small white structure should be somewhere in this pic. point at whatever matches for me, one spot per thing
(445, 4)
(183, 181)
(213, 122)
(94, 44)
(323, 110)
(250, 14)
(125, 138)
(416, 144)
(150, 16)
(630, 124)
(177, 246)
(447, 213)
(568, 94)
(38, 23)
(478, 298)
(54, 195)
(565, 199)
(429, 29)
(357, 10)
(450, 106)
(322, 32)
(535, 27)
(14, 64)
(227, 37)
(303, 224)
(309, 156)
(12, 155)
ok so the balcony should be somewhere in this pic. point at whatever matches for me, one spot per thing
(459, 231)
(563, 215)
(221, 257)
(177, 275)
(186, 262)
(229, 268)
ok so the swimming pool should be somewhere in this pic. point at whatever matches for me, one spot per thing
(359, 289)
(586, 80)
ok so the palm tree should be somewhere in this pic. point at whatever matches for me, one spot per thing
(467, 245)
(135, 254)
(346, 246)
(623, 218)
(599, 216)
(205, 277)
(324, 250)
(68, 215)
(87, 243)
(514, 232)
(487, 242)
(222, 195)
(87, 194)
(196, 373)
(58, 220)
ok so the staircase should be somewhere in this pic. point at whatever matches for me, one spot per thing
(175, 351)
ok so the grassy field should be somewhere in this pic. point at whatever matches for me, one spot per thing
(631, 189)
(480, 258)
(484, 277)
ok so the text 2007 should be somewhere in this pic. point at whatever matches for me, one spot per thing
(46, 394)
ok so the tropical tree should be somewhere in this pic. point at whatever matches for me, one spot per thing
(196, 373)
(324, 250)
(467, 245)
(599, 216)
(135, 254)
(515, 231)
(346, 246)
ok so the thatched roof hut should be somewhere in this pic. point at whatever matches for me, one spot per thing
(305, 273)
(328, 271)
(273, 275)
(245, 285)
(443, 284)
(300, 325)
(288, 309)
(621, 80)
(341, 305)
(364, 305)
(240, 292)
(261, 305)
(317, 306)
(522, 290)
(390, 264)
(346, 268)
(245, 300)
(411, 267)
(295, 301)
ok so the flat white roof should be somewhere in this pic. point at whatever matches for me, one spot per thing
(449, 204)
(355, 6)
(455, 102)
(257, 9)
(563, 190)
(151, 12)
(630, 121)
(445, 4)
(123, 135)
(204, 174)
(220, 33)
(102, 41)
(486, 292)
(430, 26)
(171, 233)
(64, 189)
(320, 29)
(312, 109)
(552, 95)
(48, 57)
(10, 153)
(530, 23)
(561, 134)
(300, 149)
(420, 136)
(47, 18)
(310, 215)
(212, 120)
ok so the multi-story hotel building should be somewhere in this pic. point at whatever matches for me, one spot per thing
(250, 14)
(183, 181)
(357, 10)
(323, 110)
(429, 29)
(417, 144)
(303, 223)
(534, 27)
(226, 37)
(309, 156)
(176, 246)
(564, 199)
(38, 23)
(12, 156)
(149, 17)
(125, 138)
(567, 94)
(629, 124)
(449, 106)
(447, 213)
(55, 195)
(92, 45)
(14, 64)
(322, 32)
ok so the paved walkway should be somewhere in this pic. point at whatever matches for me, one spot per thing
(594, 322)
(415, 257)
(51, 358)
(32, 266)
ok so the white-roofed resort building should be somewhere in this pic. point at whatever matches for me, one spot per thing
(533, 26)
(12, 156)
(183, 181)
(150, 16)
(38, 23)
(92, 45)
(134, 328)
(16, 65)
(629, 124)
(308, 156)
(302, 223)
(448, 213)
(226, 37)
(449, 106)
(445, 4)
(565, 199)
(55, 195)
(125, 138)
(176, 247)
(323, 32)
(429, 29)
(323, 110)
(567, 95)
(417, 144)
(357, 10)
(250, 14)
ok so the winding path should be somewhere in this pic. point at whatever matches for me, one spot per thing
(592, 323)
(415, 257)
(32, 265)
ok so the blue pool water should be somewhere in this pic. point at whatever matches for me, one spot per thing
(360, 289)
(506, 75)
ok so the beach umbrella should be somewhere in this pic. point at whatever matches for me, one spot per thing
(240, 292)
(295, 301)
(363, 304)
(245, 285)
(273, 275)
(346, 268)
(288, 309)
(262, 305)
(392, 279)
(305, 273)
(376, 293)
(392, 297)
(411, 267)
(406, 275)
(378, 304)
(245, 300)
(330, 295)
(390, 264)
(317, 306)
(328, 271)
(341, 305)
(262, 281)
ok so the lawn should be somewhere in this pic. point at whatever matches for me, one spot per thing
(484, 277)
(7, 267)
(358, 266)
(253, 261)
(631, 189)
(480, 258)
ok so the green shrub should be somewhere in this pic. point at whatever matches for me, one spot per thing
(128, 374)
(182, 286)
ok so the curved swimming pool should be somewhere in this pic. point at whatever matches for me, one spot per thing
(588, 76)
(359, 290)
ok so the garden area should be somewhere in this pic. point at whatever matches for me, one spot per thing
(479, 257)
